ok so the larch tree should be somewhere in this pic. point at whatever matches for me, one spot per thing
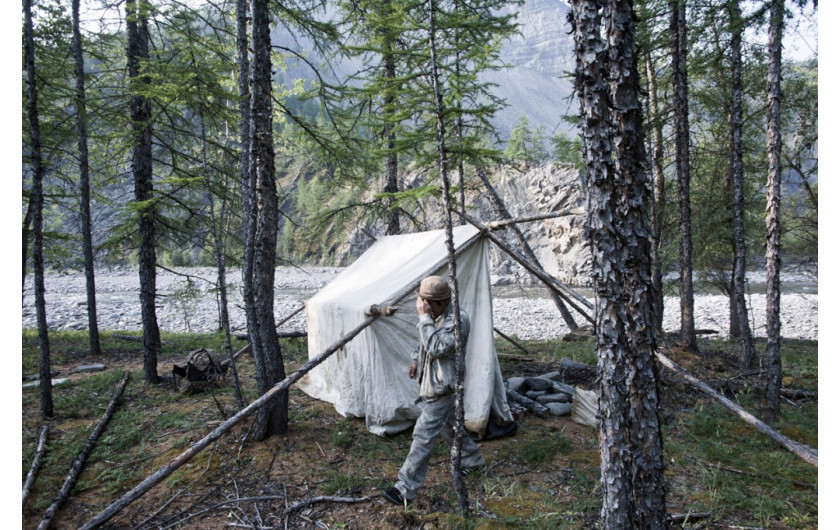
(739, 318)
(137, 20)
(84, 183)
(630, 439)
(437, 93)
(773, 255)
(37, 208)
(682, 144)
(274, 417)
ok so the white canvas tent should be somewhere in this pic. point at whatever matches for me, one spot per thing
(368, 377)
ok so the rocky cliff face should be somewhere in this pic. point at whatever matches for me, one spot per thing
(558, 243)
(538, 59)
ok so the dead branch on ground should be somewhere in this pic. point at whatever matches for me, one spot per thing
(36, 463)
(80, 460)
(807, 453)
(313, 500)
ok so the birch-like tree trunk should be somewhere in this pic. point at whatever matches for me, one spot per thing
(682, 145)
(773, 212)
(137, 29)
(739, 321)
(630, 441)
(37, 209)
(457, 443)
(84, 183)
(273, 418)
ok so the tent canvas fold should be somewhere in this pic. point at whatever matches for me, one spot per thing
(368, 377)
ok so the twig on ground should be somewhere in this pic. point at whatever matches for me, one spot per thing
(326, 498)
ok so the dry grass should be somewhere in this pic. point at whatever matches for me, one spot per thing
(544, 477)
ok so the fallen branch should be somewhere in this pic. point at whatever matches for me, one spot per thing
(313, 500)
(683, 518)
(516, 357)
(36, 462)
(510, 340)
(795, 393)
(80, 460)
(197, 447)
(807, 453)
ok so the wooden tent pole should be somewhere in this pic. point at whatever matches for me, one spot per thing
(550, 282)
(805, 452)
(394, 300)
(541, 217)
(194, 449)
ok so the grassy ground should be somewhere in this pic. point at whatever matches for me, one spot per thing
(547, 476)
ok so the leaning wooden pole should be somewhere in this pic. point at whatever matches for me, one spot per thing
(80, 460)
(805, 452)
(36, 463)
(197, 447)
(526, 248)
(493, 225)
(549, 281)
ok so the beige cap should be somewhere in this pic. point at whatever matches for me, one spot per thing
(434, 288)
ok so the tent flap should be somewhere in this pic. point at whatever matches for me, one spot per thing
(368, 377)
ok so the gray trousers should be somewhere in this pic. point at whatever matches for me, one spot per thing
(437, 417)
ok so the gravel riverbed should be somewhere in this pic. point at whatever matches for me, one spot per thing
(188, 303)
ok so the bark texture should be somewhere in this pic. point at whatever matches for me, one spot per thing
(739, 321)
(84, 183)
(37, 209)
(272, 419)
(682, 145)
(389, 108)
(632, 470)
(137, 29)
(773, 212)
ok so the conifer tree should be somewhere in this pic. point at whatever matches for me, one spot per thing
(84, 183)
(37, 205)
(137, 18)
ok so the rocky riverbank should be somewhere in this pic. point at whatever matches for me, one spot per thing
(188, 302)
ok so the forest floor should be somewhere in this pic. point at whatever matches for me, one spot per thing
(720, 472)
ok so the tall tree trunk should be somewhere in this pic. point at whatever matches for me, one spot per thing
(141, 165)
(681, 132)
(738, 300)
(390, 111)
(273, 418)
(632, 469)
(84, 184)
(37, 212)
(773, 214)
(247, 175)
(658, 198)
(457, 444)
